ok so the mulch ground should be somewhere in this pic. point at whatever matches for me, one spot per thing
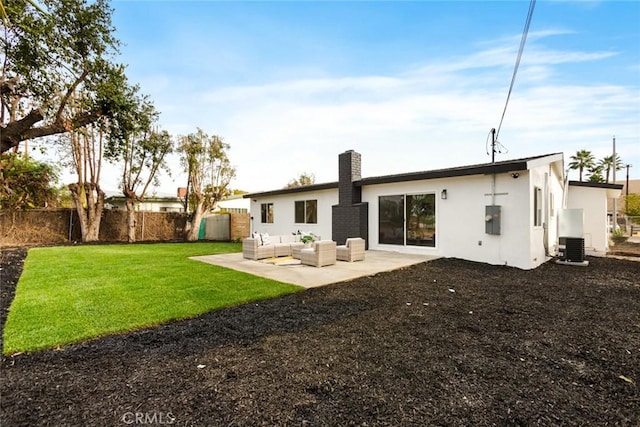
(447, 342)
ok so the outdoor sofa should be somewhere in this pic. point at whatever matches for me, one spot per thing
(263, 245)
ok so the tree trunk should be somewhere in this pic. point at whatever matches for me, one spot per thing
(89, 201)
(194, 228)
(131, 220)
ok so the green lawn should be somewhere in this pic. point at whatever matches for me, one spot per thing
(68, 294)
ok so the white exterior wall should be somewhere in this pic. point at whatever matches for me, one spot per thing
(593, 201)
(234, 203)
(460, 219)
(544, 238)
(151, 205)
(284, 213)
(555, 200)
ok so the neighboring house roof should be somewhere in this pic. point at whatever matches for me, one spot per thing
(149, 199)
(613, 190)
(479, 169)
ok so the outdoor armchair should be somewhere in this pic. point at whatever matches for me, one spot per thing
(322, 253)
(352, 250)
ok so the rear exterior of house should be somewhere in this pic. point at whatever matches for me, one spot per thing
(503, 213)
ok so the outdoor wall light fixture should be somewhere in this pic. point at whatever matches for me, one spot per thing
(515, 175)
(443, 194)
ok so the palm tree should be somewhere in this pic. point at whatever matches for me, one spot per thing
(595, 173)
(607, 165)
(582, 160)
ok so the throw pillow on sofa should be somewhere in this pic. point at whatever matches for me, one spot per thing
(264, 238)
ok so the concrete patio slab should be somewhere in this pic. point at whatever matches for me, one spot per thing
(309, 277)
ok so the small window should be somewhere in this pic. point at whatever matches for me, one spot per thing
(552, 206)
(537, 207)
(266, 213)
(306, 211)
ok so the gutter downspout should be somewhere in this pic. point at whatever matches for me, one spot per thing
(545, 224)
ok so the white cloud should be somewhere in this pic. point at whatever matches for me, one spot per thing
(433, 116)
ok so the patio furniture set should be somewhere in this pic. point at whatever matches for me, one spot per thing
(318, 254)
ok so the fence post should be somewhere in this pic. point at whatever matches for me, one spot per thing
(70, 223)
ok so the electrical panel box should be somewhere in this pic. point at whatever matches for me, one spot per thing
(492, 217)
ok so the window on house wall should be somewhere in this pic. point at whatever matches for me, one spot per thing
(306, 211)
(552, 205)
(537, 206)
(266, 213)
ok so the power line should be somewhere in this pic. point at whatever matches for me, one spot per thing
(525, 32)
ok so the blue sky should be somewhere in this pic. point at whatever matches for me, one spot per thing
(412, 86)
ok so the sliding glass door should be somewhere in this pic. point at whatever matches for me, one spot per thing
(408, 219)
(391, 220)
(421, 219)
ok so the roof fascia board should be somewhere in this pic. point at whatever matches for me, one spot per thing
(545, 160)
(302, 189)
(447, 173)
(603, 185)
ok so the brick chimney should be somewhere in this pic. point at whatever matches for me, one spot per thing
(350, 216)
(349, 171)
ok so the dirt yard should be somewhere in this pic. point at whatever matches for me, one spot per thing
(447, 342)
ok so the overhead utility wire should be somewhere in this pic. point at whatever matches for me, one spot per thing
(532, 5)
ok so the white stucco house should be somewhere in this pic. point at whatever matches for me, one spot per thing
(155, 203)
(235, 204)
(504, 213)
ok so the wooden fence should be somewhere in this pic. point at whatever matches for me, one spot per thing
(61, 226)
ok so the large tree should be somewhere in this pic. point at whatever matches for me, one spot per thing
(209, 173)
(582, 160)
(143, 155)
(87, 150)
(47, 55)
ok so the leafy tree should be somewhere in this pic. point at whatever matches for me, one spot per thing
(302, 180)
(140, 149)
(582, 160)
(63, 197)
(143, 158)
(87, 148)
(209, 174)
(26, 183)
(47, 56)
(632, 204)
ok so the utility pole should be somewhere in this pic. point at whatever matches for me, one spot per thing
(493, 145)
(615, 207)
(627, 186)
